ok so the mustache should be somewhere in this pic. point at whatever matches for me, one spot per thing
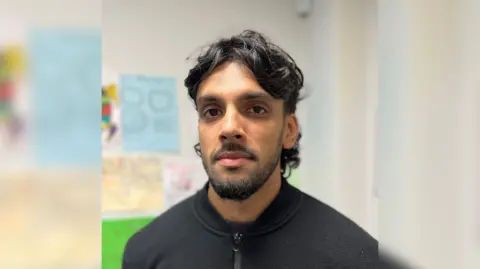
(234, 147)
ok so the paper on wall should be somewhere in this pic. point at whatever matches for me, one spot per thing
(13, 94)
(132, 184)
(150, 120)
(182, 178)
(111, 112)
(65, 67)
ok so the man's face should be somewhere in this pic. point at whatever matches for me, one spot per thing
(242, 131)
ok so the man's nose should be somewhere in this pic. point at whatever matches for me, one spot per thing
(232, 127)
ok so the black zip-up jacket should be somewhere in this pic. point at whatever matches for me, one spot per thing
(295, 232)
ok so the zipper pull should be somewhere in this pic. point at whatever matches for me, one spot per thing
(237, 255)
(237, 239)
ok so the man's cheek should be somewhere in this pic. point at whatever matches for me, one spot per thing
(205, 149)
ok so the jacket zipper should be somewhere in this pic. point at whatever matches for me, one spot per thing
(237, 255)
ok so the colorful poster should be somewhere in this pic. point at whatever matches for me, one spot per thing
(182, 178)
(111, 132)
(12, 61)
(66, 68)
(13, 95)
(149, 118)
(131, 185)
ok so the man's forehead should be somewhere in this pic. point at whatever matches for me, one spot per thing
(231, 81)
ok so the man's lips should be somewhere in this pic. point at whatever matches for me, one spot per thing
(233, 159)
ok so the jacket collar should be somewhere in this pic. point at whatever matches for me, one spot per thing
(281, 210)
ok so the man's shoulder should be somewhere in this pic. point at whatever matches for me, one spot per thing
(146, 243)
(342, 241)
(334, 226)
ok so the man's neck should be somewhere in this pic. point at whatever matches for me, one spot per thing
(248, 210)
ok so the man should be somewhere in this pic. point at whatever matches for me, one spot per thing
(247, 216)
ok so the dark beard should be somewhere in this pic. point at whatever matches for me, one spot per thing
(240, 190)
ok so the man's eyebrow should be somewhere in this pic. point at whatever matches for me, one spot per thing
(255, 95)
(207, 99)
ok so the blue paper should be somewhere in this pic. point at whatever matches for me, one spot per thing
(149, 114)
(66, 70)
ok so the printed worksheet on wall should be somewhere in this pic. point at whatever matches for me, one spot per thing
(150, 122)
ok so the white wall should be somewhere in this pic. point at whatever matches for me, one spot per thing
(341, 109)
(156, 37)
(54, 13)
(426, 143)
(394, 103)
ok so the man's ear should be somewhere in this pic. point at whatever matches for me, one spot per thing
(291, 131)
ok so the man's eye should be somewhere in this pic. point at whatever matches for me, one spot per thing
(257, 110)
(211, 113)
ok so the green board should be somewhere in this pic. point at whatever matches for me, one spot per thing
(115, 234)
(294, 178)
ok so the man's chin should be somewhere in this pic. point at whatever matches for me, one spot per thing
(234, 188)
(234, 191)
(230, 181)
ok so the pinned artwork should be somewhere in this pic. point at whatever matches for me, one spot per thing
(149, 118)
(14, 95)
(12, 68)
(111, 137)
(182, 178)
(132, 185)
(111, 109)
(109, 99)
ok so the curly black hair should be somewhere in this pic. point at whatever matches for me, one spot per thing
(274, 69)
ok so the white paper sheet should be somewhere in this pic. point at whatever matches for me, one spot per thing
(182, 178)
